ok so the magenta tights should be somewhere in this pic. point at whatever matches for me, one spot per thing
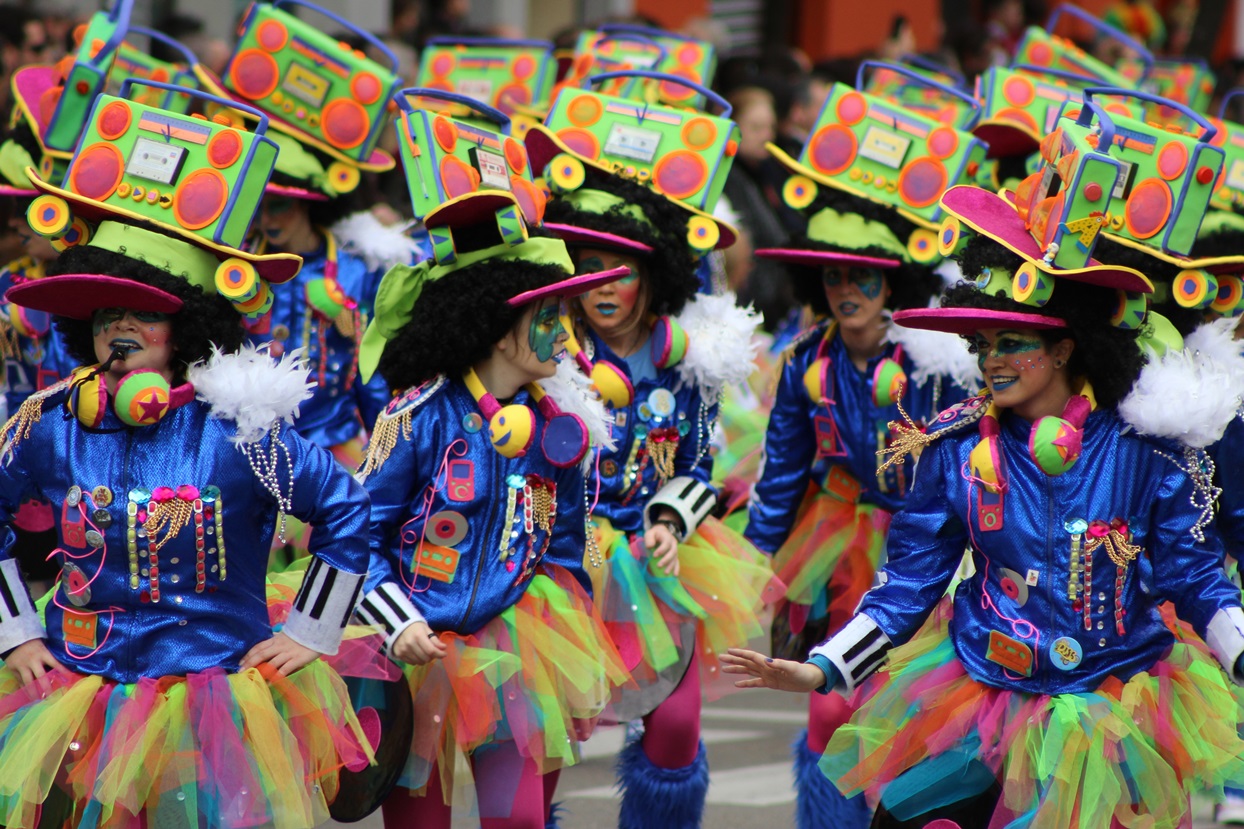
(826, 712)
(672, 730)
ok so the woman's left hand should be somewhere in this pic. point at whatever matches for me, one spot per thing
(765, 672)
(663, 547)
(280, 652)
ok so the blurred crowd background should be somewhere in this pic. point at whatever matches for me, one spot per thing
(779, 59)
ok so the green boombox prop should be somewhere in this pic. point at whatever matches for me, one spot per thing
(883, 83)
(1140, 184)
(1187, 81)
(1041, 47)
(1229, 190)
(622, 48)
(446, 159)
(134, 63)
(88, 72)
(321, 89)
(500, 72)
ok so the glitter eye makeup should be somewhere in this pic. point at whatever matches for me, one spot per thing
(868, 280)
(545, 328)
(105, 317)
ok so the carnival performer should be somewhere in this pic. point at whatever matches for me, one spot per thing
(478, 521)
(677, 586)
(150, 685)
(820, 508)
(1049, 690)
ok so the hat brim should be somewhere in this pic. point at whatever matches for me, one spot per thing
(1006, 139)
(971, 320)
(17, 192)
(79, 295)
(470, 209)
(797, 256)
(574, 286)
(300, 193)
(994, 217)
(801, 169)
(29, 85)
(379, 162)
(585, 237)
(543, 145)
(276, 268)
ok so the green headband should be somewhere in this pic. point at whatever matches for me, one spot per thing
(1220, 221)
(297, 162)
(852, 232)
(14, 159)
(600, 202)
(175, 257)
(401, 287)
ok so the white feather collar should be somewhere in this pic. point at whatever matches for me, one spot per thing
(252, 388)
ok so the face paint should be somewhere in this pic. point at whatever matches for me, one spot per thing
(869, 281)
(1016, 351)
(105, 317)
(545, 330)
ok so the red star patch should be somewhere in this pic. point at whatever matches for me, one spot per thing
(1069, 442)
(152, 406)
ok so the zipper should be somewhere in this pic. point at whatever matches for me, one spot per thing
(137, 605)
(1050, 525)
(483, 558)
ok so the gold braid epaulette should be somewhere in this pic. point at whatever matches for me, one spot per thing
(384, 437)
(28, 414)
(907, 438)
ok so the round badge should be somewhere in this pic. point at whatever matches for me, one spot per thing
(661, 402)
(74, 496)
(644, 411)
(102, 518)
(76, 585)
(608, 468)
(94, 538)
(102, 496)
(472, 422)
(280, 333)
(1076, 526)
(447, 528)
(1066, 653)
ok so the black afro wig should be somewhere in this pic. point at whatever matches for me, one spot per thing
(1161, 274)
(911, 285)
(671, 271)
(205, 319)
(1109, 357)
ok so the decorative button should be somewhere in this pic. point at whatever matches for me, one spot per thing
(608, 468)
(472, 422)
(102, 518)
(661, 402)
(95, 538)
(74, 496)
(1066, 653)
(280, 333)
(102, 496)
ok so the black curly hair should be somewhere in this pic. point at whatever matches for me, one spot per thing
(1161, 274)
(1108, 356)
(460, 317)
(671, 279)
(205, 319)
(911, 285)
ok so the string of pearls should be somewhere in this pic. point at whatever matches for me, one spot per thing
(267, 467)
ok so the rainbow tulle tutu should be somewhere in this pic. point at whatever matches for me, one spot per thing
(717, 595)
(1129, 754)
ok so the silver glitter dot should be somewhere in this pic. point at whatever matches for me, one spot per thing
(175, 578)
(436, 718)
(75, 745)
(145, 572)
(178, 600)
(635, 607)
(1101, 597)
(1100, 625)
(174, 561)
(1101, 642)
(214, 568)
(142, 533)
(212, 550)
(1101, 609)
(181, 795)
(182, 622)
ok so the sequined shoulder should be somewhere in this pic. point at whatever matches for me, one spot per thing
(806, 338)
(959, 416)
(412, 399)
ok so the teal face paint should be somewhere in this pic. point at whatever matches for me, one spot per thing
(104, 317)
(869, 281)
(546, 329)
(1019, 351)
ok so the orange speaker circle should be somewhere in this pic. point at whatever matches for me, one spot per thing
(113, 120)
(272, 35)
(531, 199)
(1041, 54)
(851, 108)
(671, 91)
(1148, 208)
(97, 171)
(1018, 116)
(942, 142)
(699, 133)
(366, 88)
(445, 133)
(832, 148)
(922, 182)
(224, 149)
(515, 156)
(1172, 160)
(680, 174)
(457, 177)
(1220, 137)
(580, 142)
(254, 74)
(1019, 91)
(345, 123)
(689, 54)
(200, 198)
(510, 96)
(523, 67)
(442, 65)
(584, 110)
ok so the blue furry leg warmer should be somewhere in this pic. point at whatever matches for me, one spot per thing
(556, 811)
(657, 798)
(818, 803)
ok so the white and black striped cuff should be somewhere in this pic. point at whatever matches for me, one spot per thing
(857, 650)
(322, 607)
(389, 608)
(19, 621)
(1225, 637)
(691, 499)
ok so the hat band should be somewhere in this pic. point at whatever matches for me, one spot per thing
(175, 257)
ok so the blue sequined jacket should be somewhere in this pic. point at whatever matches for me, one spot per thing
(1228, 455)
(457, 530)
(133, 603)
(1068, 580)
(847, 434)
(342, 403)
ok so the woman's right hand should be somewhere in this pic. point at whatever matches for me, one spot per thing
(418, 645)
(31, 660)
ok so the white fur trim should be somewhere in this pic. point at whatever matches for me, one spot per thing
(1189, 395)
(253, 389)
(572, 391)
(1225, 637)
(720, 343)
(934, 353)
(380, 246)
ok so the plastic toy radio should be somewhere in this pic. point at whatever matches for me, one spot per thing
(1229, 192)
(85, 77)
(878, 150)
(134, 160)
(317, 88)
(598, 53)
(685, 57)
(1187, 81)
(500, 72)
(1141, 184)
(1041, 47)
(686, 154)
(883, 83)
(134, 63)
(446, 158)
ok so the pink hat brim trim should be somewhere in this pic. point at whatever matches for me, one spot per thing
(971, 320)
(79, 295)
(574, 286)
(583, 237)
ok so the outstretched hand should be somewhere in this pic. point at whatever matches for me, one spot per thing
(765, 672)
(281, 653)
